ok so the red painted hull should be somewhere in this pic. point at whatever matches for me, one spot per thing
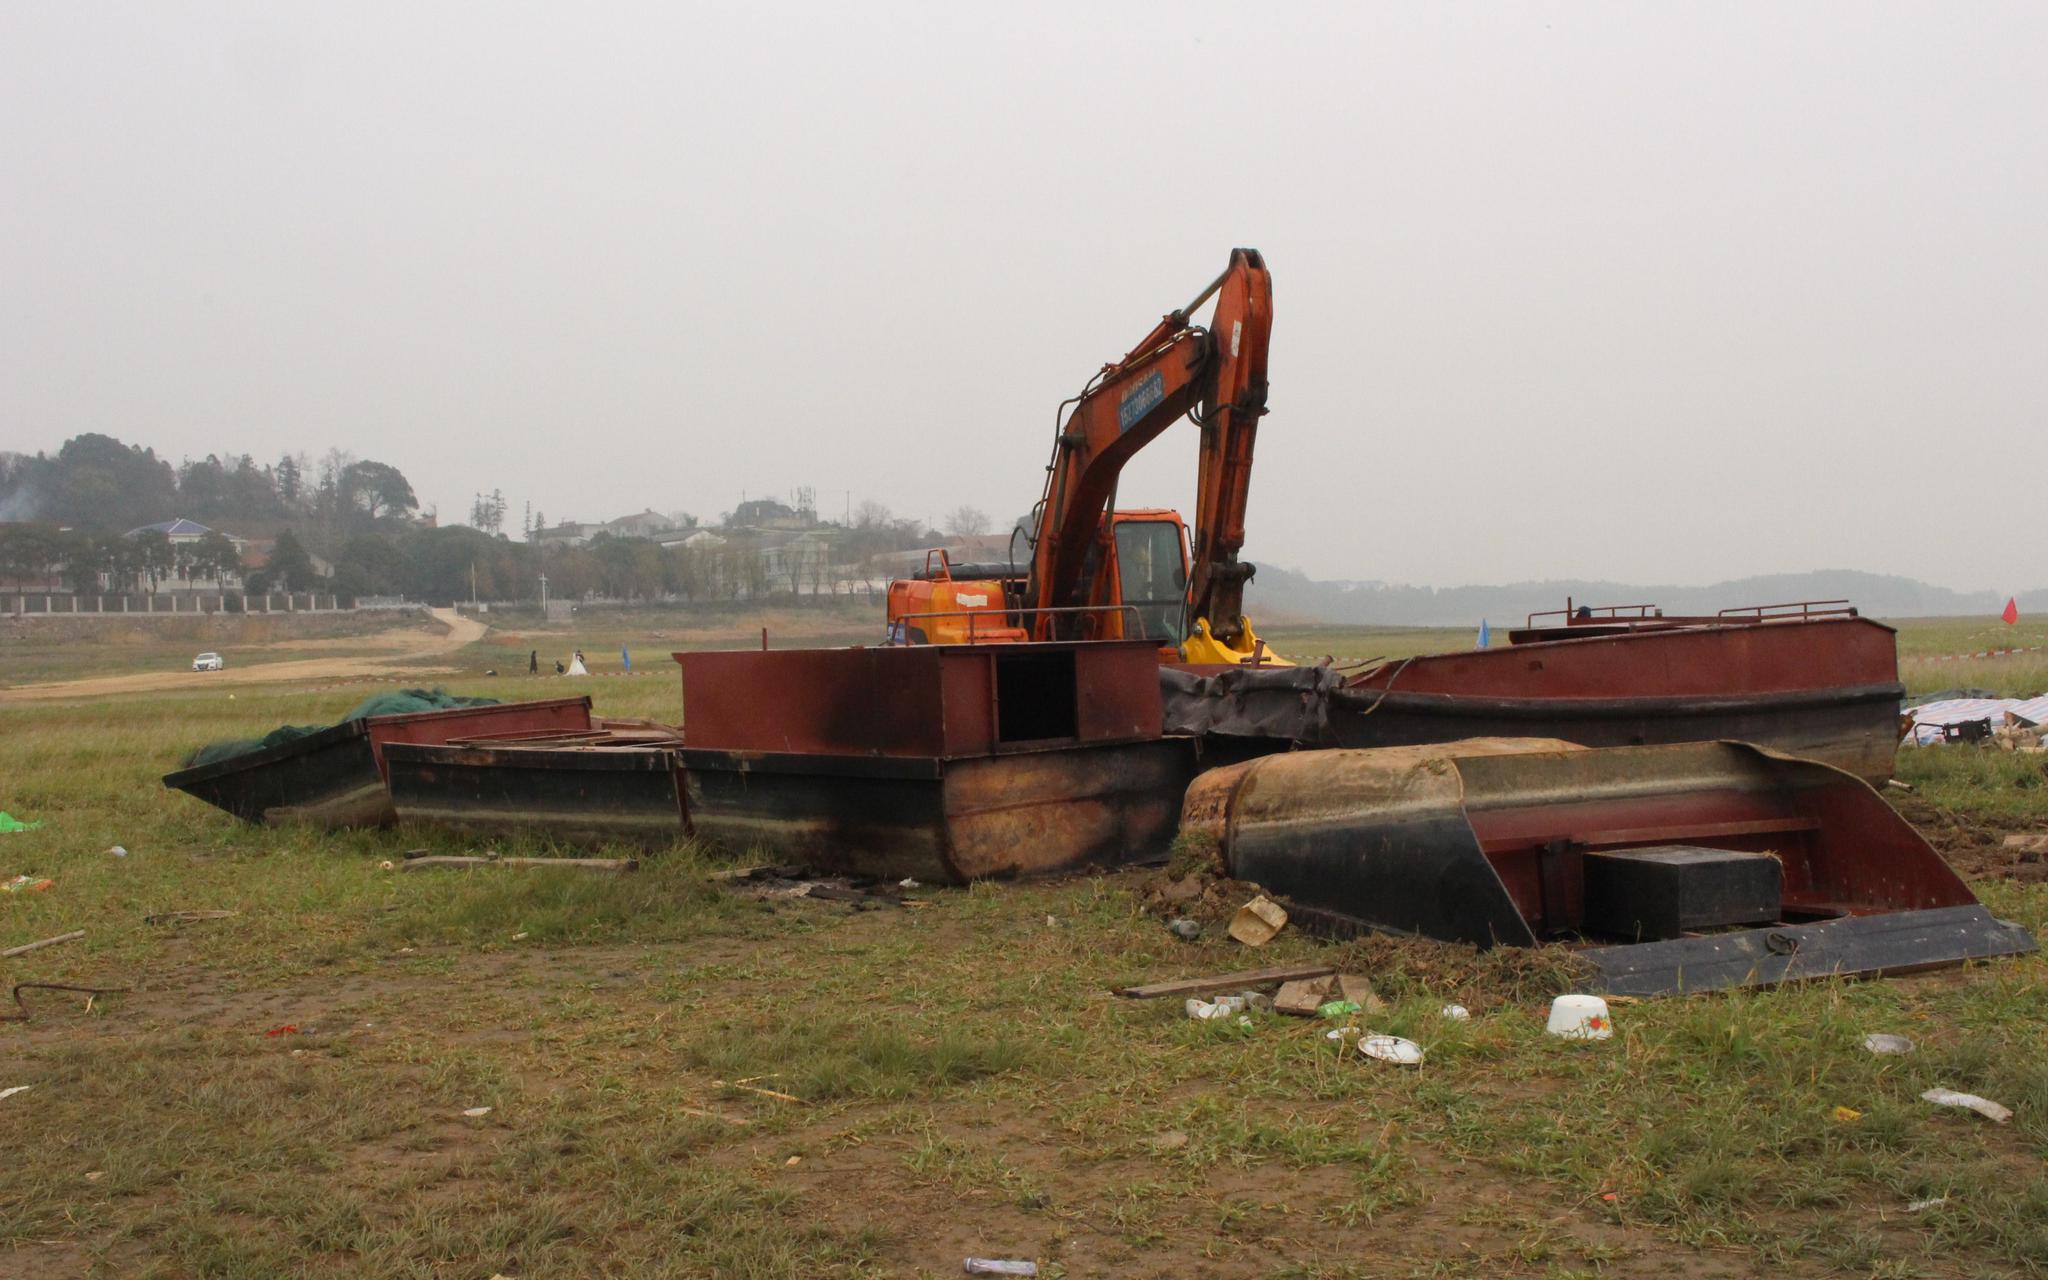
(1826, 689)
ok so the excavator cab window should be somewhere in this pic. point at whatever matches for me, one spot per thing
(1151, 563)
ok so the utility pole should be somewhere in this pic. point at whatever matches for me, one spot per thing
(472, 586)
(543, 591)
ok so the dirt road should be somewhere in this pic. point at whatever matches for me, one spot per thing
(400, 651)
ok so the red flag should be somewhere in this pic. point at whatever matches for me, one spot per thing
(2012, 610)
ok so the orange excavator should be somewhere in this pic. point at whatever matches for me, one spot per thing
(1098, 573)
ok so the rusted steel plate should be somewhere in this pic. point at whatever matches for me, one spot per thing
(921, 700)
(1900, 942)
(1827, 689)
(545, 715)
(578, 795)
(943, 820)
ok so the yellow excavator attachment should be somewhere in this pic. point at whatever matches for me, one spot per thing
(1201, 646)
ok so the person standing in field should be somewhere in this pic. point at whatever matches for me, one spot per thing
(533, 663)
(626, 656)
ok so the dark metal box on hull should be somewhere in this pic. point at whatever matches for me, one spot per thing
(948, 763)
(336, 777)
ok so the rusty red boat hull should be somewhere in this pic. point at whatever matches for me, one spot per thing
(1519, 840)
(946, 763)
(941, 820)
(1826, 689)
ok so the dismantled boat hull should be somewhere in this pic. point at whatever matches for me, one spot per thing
(583, 790)
(1825, 688)
(1665, 850)
(946, 763)
(335, 778)
(943, 820)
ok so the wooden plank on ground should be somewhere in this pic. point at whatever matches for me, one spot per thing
(27, 947)
(1227, 981)
(581, 864)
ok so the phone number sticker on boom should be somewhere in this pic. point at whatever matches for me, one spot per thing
(1140, 400)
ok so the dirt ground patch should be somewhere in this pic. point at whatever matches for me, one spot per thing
(1974, 844)
(394, 653)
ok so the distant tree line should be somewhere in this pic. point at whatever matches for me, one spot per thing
(64, 515)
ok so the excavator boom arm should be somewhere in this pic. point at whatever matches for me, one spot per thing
(1219, 373)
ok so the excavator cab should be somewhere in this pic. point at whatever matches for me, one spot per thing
(1150, 577)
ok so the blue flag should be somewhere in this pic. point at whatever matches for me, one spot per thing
(1484, 634)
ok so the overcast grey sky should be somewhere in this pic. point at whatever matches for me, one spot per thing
(1648, 292)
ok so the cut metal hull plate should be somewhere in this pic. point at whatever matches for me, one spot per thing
(1895, 942)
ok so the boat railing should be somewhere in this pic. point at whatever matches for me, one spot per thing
(1796, 609)
(1632, 616)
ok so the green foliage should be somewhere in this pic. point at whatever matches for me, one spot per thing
(291, 565)
(377, 489)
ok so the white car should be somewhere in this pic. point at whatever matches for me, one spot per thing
(208, 662)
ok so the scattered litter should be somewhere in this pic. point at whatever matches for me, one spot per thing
(796, 880)
(712, 1115)
(385, 865)
(1183, 928)
(1051, 922)
(476, 1113)
(1205, 1011)
(1359, 992)
(95, 1175)
(1982, 1106)
(288, 1029)
(1336, 1009)
(27, 947)
(1931, 1202)
(1609, 1196)
(1230, 1006)
(792, 1162)
(1845, 1115)
(519, 937)
(1258, 922)
(23, 884)
(1394, 1049)
(1578, 1017)
(1303, 996)
(908, 882)
(20, 1088)
(9, 823)
(187, 917)
(1882, 1042)
(1456, 1013)
(117, 851)
(1000, 1267)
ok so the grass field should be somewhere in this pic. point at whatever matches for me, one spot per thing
(964, 1083)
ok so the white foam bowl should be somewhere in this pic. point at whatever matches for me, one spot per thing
(1578, 1017)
